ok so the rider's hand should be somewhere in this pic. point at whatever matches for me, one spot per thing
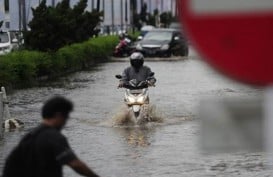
(150, 84)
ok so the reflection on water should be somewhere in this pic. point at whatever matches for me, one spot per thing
(136, 136)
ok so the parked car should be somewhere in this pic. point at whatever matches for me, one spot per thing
(8, 42)
(175, 25)
(163, 43)
(144, 30)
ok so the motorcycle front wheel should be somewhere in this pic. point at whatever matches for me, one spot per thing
(136, 114)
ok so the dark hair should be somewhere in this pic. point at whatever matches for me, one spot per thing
(56, 105)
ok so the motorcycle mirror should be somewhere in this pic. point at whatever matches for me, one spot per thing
(151, 74)
(118, 76)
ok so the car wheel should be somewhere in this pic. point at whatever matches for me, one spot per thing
(186, 51)
(176, 53)
(168, 55)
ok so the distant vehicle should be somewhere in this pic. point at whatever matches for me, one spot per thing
(8, 42)
(163, 43)
(124, 48)
(144, 30)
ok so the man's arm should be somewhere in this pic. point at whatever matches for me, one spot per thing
(65, 156)
(81, 168)
(124, 80)
(152, 80)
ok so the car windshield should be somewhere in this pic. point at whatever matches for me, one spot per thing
(4, 38)
(158, 36)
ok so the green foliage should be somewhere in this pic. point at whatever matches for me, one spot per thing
(19, 68)
(55, 27)
(146, 18)
(23, 68)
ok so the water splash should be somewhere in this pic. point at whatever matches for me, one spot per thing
(124, 116)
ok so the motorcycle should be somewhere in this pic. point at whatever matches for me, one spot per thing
(137, 99)
(124, 48)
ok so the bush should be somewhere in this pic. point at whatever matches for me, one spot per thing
(22, 69)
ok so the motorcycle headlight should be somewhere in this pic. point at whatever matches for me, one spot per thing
(165, 47)
(130, 100)
(139, 47)
(141, 99)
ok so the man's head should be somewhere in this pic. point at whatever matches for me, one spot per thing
(56, 111)
(137, 60)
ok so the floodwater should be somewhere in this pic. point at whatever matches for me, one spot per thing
(167, 149)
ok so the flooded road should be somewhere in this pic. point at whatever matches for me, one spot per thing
(161, 150)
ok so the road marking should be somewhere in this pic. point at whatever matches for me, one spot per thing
(230, 6)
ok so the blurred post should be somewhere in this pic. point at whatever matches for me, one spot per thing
(98, 5)
(1, 115)
(150, 6)
(53, 3)
(176, 8)
(162, 6)
(268, 111)
(121, 15)
(112, 13)
(141, 3)
(24, 16)
(126, 14)
(133, 8)
(103, 8)
(5, 100)
(20, 15)
(172, 6)
(92, 5)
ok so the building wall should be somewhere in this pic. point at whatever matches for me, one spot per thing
(13, 15)
(4, 16)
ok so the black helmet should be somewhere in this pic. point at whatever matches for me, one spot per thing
(137, 60)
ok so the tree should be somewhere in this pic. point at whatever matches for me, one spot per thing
(152, 20)
(166, 18)
(55, 27)
(143, 13)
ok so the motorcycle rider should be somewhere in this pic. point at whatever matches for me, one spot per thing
(127, 37)
(137, 71)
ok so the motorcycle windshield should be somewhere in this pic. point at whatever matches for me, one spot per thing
(139, 91)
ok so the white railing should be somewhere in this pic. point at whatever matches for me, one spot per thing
(1, 114)
(4, 110)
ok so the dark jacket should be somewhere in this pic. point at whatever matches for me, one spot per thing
(142, 75)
